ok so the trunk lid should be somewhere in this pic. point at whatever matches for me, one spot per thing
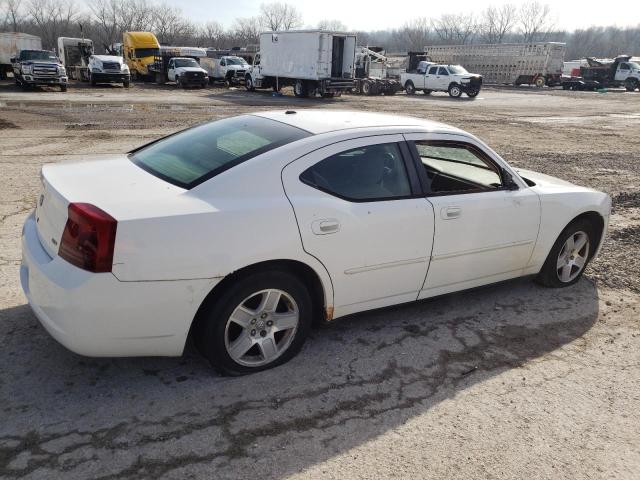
(116, 185)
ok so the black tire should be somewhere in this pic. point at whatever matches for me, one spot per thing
(63, 88)
(248, 84)
(548, 275)
(473, 93)
(427, 92)
(92, 81)
(410, 88)
(540, 82)
(126, 83)
(367, 88)
(301, 89)
(214, 318)
(630, 85)
(455, 91)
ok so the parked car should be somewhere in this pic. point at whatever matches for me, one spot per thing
(243, 231)
(186, 72)
(441, 78)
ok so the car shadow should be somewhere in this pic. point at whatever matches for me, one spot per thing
(355, 379)
(239, 96)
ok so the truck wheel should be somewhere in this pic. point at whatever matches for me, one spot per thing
(427, 92)
(92, 81)
(455, 91)
(473, 93)
(126, 83)
(631, 84)
(366, 88)
(63, 87)
(248, 84)
(539, 82)
(301, 89)
(410, 88)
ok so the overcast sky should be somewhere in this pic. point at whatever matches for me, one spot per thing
(377, 15)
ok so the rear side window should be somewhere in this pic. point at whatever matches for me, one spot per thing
(374, 172)
(193, 156)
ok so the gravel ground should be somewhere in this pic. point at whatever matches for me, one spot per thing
(510, 381)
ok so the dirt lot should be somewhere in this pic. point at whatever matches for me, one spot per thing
(510, 381)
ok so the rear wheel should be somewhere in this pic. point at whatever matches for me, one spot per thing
(258, 323)
(248, 83)
(366, 88)
(427, 92)
(301, 89)
(569, 255)
(410, 88)
(539, 82)
(631, 84)
(455, 91)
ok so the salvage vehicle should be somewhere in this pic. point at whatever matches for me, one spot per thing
(74, 54)
(431, 77)
(622, 71)
(186, 72)
(39, 67)
(312, 61)
(10, 44)
(226, 68)
(243, 231)
(108, 69)
(372, 75)
(140, 51)
(532, 63)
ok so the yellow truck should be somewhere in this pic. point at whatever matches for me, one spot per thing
(140, 50)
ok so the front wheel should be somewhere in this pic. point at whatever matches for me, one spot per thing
(126, 83)
(410, 88)
(248, 84)
(473, 93)
(630, 85)
(63, 88)
(569, 256)
(258, 323)
(455, 91)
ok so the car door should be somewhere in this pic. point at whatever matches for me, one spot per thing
(431, 78)
(360, 212)
(443, 78)
(171, 72)
(623, 72)
(485, 225)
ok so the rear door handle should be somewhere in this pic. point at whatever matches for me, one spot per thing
(450, 213)
(325, 226)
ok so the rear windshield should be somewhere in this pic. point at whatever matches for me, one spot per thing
(193, 156)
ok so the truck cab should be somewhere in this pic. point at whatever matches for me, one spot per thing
(186, 72)
(431, 77)
(39, 67)
(140, 51)
(108, 69)
(628, 74)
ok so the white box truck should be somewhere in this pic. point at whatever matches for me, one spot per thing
(10, 45)
(312, 61)
(535, 63)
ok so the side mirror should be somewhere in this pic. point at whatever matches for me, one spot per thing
(508, 182)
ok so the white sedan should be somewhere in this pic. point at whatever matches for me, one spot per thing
(242, 232)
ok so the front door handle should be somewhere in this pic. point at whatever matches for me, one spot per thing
(325, 226)
(450, 213)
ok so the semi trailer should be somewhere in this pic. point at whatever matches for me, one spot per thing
(312, 61)
(534, 63)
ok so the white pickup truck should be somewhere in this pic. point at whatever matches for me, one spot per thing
(430, 77)
(187, 72)
(226, 68)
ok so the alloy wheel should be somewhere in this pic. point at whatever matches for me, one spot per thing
(573, 256)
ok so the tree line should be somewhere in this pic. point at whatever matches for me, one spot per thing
(104, 21)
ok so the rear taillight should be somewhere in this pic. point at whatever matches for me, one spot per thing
(89, 238)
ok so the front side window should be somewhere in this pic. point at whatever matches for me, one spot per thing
(192, 156)
(624, 66)
(453, 167)
(373, 172)
(433, 70)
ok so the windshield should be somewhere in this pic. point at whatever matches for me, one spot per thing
(37, 55)
(186, 62)
(457, 70)
(634, 65)
(193, 156)
(147, 52)
(236, 61)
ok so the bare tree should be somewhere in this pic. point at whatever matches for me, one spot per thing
(137, 15)
(211, 34)
(332, 25)
(105, 15)
(498, 22)
(456, 28)
(535, 21)
(170, 25)
(279, 16)
(246, 30)
(417, 33)
(53, 18)
(12, 13)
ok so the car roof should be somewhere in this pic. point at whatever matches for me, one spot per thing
(317, 121)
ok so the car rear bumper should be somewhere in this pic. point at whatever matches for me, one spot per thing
(95, 314)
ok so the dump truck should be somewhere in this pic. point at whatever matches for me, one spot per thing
(621, 71)
(372, 75)
(534, 63)
(10, 45)
(74, 54)
(312, 61)
(140, 51)
(180, 65)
